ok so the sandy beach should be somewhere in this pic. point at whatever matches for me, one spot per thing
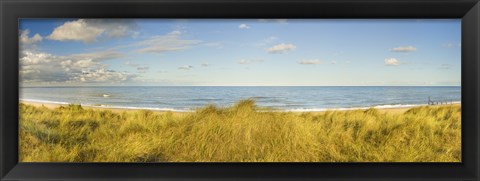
(398, 110)
(53, 106)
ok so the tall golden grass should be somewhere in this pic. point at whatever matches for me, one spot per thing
(239, 133)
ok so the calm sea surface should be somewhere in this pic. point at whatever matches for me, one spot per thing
(284, 98)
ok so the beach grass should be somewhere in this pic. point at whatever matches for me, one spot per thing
(240, 133)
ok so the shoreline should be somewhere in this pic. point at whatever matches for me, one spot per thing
(114, 109)
(393, 109)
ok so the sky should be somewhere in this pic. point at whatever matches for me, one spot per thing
(239, 52)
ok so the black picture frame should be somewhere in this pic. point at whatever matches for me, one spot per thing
(467, 10)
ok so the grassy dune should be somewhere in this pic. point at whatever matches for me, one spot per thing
(239, 134)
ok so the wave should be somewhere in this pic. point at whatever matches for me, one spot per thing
(387, 106)
(139, 108)
(205, 99)
(44, 101)
(108, 106)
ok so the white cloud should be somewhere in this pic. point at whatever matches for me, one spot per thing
(102, 75)
(185, 67)
(87, 63)
(32, 58)
(334, 62)
(40, 67)
(164, 43)
(24, 39)
(309, 62)
(281, 48)
(99, 55)
(392, 62)
(243, 26)
(404, 49)
(88, 30)
(131, 64)
(143, 69)
(205, 64)
(76, 31)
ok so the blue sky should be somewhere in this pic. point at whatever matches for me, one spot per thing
(241, 52)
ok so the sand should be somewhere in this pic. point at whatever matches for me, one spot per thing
(54, 105)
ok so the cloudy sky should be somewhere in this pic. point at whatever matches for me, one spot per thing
(253, 52)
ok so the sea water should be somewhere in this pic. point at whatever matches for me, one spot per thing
(286, 98)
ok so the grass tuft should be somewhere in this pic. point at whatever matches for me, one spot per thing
(241, 133)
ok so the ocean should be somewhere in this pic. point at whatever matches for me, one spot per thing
(283, 98)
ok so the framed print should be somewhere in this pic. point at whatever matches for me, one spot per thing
(239, 90)
(171, 90)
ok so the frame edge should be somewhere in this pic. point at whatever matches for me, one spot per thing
(4, 168)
